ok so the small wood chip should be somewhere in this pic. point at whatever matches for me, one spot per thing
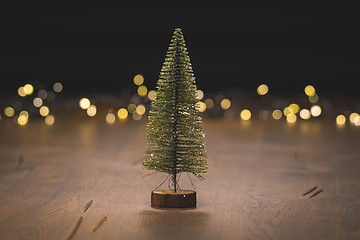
(100, 223)
(87, 205)
(311, 190)
(77, 225)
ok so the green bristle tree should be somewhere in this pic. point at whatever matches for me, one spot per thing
(175, 140)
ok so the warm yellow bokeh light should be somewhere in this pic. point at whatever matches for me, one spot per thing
(21, 92)
(152, 95)
(49, 120)
(84, 103)
(199, 94)
(294, 108)
(315, 110)
(225, 104)
(277, 114)
(200, 106)
(140, 109)
(142, 90)
(91, 111)
(305, 114)
(44, 111)
(287, 111)
(209, 103)
(22, 120)
(123, 113)
(353, 116)
(24, 113)
(9, 112)
(138, 79)
(309, 90)
(291, 118)
(245, 114)
(262, 89)
(29, 89)
(110, 118)
(340, 119)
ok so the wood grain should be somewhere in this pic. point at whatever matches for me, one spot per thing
(258, 174)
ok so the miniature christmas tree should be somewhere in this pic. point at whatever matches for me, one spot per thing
(175, 141)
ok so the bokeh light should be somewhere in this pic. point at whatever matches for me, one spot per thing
(91, 111)
(245, 114)
(123, 113)
(305, 114)
(294, 108)
(131, 108)
(314, 98)
(136, 116)
(291, 118)
(42, 94)
(309, 90)
(262, 89)
(58, 87)
(21, 92)
(200, 106)
(152, 95)
(140, 109)
(49, 120)
(138, 79)
(277, 114)
(84, 103)
(22, 120)
(209, 103)
(315, 110)
(9, 112)
(353, 116)
(110, 118)
(357, 121)
(29, 89)
(199, 94)
(37, 102)
(225, 103)
(142, 91)
(340, 120)
(44, 111)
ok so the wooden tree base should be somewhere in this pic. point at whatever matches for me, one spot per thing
(170, 199)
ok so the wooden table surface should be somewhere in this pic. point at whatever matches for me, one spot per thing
(258, 173)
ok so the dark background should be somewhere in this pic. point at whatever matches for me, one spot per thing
(99, 48)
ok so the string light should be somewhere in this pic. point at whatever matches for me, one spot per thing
(200, 106)
(122, 114)
(262, 89)
(340, 120)
(84, 103)
(9, 112)
(44, 111)
(37, 102)
(140, 109)
(277, 114)
(305, 114)
(291, 118)
(225, 103)
(315, 110)
(152, 95)
(310, 90)
(138, 79)
(49, 120)
(91, 111)
(245, 114)
(142, 91)
(199, 94)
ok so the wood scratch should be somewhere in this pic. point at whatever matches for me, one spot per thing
(317, 193)
(77, 225)
(87, 205)
(100, 223)
(311, 190)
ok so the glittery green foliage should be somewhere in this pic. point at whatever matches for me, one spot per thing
(175, 140)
